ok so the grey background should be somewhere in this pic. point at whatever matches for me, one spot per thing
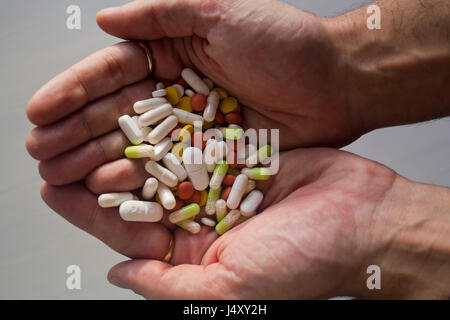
(36, 245)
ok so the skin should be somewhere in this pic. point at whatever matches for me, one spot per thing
(333, 218)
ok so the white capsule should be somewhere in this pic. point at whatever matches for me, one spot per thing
(159, 93)
(149, 188)
(173, 164)
(209, 83)
(162, 148)
(237, 191)
(153, 116)
(251, 203)
(189, 92)
(196, 168)
(109, 200)
(221, 209)
(145, 132)
(162, 130)
(166, 196)
(180, 89)
(221, 150)
(131, 129)
(208, 222)
(245, 155)
(160, 86)
(190, 225)
(149, 104)
(141, 211)
(187, 117)
(161, 173)
(194, 81)
(211, 107)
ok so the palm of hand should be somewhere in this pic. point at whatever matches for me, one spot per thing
(309, 245)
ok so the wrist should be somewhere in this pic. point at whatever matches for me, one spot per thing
(410, 242)
(395, 75)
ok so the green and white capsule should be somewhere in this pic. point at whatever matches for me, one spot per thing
(184, 213)
(257, 173)
(264, 153)
(228, 222)
(219, 173)
(189, 225)
(213, 195)
(221, 209)
(233, 133)
(141, 151)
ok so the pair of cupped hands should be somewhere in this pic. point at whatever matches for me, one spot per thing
(312, 238)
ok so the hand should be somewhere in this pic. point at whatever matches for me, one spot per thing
(345, 214)
(280, 62)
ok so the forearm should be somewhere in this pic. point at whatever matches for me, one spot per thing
(401, 73)
(409, 238)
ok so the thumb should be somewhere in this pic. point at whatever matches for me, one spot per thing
(154, 19)
(158, 280)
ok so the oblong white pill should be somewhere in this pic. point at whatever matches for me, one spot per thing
(187, 117)
(159, 93)
(161, 173)
(251, 203)
(162, 130)
(141, 211)
(194, 81)
(196, 168)
(162, 148)
(189, 92)
(149, 104)
(211, 107)
(149, 188)
(131, 129)
(237, 191)
(208, 222)
(153, 116)
(172, 163)
(166, 196)
(109, 200)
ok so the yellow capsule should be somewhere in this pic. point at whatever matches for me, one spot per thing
(185, 104)
(178, 149)
(186, 133)
(222, 93)
(228, 105)
(173, 95)
(203, 198)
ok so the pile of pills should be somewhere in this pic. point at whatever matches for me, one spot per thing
(196, 176)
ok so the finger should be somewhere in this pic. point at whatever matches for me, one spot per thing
(99, 74)
(158, 280)
(156, 19)
(132, 239)
(75, 164)
(96, 119)
(117, 176)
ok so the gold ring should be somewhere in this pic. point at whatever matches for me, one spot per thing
(168, 256)
(148, 54)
